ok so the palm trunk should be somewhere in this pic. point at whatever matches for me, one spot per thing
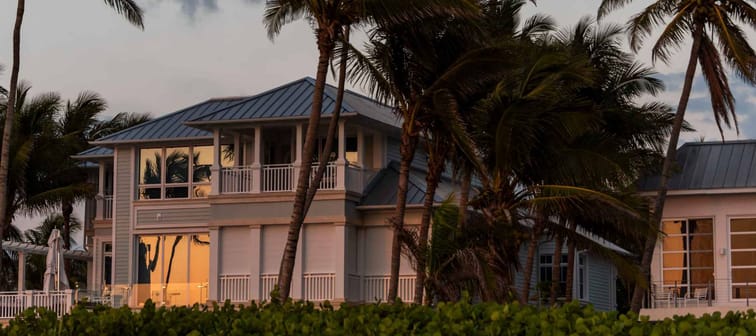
(8, 127)
(285, 273)
(556, 268)
(407, 150)
(528, 270)
(570, 277)
(436, 159)
(332, 126)
(661, 197)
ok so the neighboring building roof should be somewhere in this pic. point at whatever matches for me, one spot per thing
(382, 188)
(294, 101)
(42, 250)
(711, 165)
(170, 126)
(95, 152)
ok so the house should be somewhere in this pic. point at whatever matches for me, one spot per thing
(194, 206)
(707, 254)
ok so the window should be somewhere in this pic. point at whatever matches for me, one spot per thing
(582, 288)
(107, 263)
(687, 254)
(166, 173)
(546, 275)
(172, 269)
(743, 257)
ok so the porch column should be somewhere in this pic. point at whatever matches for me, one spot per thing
(213, 288)
(256, 162)
(339, 261)
(298, 139)
(215, 170)
(21, 271)
(255, 240)
(297, 278)
(340, 160)
(237, 150)
(100, 198)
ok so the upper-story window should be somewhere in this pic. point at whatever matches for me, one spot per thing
(178, 172)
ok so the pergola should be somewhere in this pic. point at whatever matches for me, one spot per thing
(24, 249)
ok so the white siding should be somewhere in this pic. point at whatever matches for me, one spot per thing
(273, 241)
(601, 282)
(235, 250)
(122, 216)
(378, 252)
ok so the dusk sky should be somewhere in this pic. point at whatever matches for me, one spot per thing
(192, 50)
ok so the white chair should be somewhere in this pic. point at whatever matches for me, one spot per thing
(698, 295)
(663, 296)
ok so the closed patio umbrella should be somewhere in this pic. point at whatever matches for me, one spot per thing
(55, 272)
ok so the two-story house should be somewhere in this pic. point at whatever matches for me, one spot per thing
(194, 206)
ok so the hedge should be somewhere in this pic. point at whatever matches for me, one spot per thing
(298, 318)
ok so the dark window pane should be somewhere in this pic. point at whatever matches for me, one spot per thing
(701, 259)
(701, 276)
(743, 225)
(202, 160)
(700, 226)
(701, 243)
(149, 193)
(741, 241)
(742, 292)
(673, 227)
(177, 165)
(744, 275)
(176, 192)
(743, 258)
(150, 165)
(107, 275)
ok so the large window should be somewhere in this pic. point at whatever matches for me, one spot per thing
(107, 266)
(178, 172)
(172, 269)
(687, 254)
(546, 275)
(582, 288)
(743, 257)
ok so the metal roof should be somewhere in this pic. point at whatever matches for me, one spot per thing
(711, 165)
(42, 250)
(294, 100)
(95, 153)
(170, 126)
(382, 188)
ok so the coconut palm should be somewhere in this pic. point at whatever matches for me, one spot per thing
(718, 43)
(128, 8)
(330, 20)
(36, 264)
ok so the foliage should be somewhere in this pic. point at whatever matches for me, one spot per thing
(297, 318)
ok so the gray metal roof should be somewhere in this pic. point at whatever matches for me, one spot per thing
(294, 100)
(94, 153)
(711, 165)
(171, 126)
(382, 188)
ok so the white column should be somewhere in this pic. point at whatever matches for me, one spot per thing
(339, 262)
(213, 289)
(215, 176)
(255, 242)
(21, 271)
(340, 160)
(297, 279)
(298, 139)
(100, 198)
(256, 161)
(237, 150)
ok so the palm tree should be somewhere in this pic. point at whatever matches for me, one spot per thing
(36, 266)
(704, 21)
(128, 8)
(330, 20)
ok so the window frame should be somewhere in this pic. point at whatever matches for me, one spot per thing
(164, 185)
(732, 250)
(684, 288)
(548, 267)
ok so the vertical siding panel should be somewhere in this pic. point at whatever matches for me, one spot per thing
(122, 215)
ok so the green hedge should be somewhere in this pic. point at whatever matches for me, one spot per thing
(384, 319)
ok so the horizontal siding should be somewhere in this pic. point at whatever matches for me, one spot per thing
(122, 216)
(173, 216)
(601, 282)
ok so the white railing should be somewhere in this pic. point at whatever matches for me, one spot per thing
(319, 286)
(13, 303)
(234, 287)
(107, 207)
(278, 177)
(236, 180)
(328, 182)
(268, 282)
(375, 288)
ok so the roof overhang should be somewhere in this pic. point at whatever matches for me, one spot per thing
(42, 250)
(201, 124)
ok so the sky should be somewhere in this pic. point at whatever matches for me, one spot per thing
(192, 50)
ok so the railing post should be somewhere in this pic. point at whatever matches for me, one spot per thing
(215, 176)
(709, 291)
(69, 301)
(341, 160)
(28, 299)
(256, 162)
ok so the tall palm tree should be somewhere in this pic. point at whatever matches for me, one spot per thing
(128, 8)
(329, 20)
(713, 27)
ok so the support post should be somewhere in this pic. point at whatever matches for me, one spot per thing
(297, 279)
(237, 150)
(213, 288)
(255, 239)
(100, 198)
(339, 254)
(298, 139)
(215, 170)
(341, 160)
(21, 271)
(256, 162)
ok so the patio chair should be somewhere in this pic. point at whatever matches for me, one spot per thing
(663, 296)
(698, 295)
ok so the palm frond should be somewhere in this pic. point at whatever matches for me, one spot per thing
(129, 9)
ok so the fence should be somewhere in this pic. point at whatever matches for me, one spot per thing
(278, 177)
(236, 180)
(13, 303)
(234, 287)
(268, 282)
(107, 207)
(375, 288)
(319, 286)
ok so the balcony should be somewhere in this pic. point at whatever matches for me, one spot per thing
(283, 178)
(104, 207)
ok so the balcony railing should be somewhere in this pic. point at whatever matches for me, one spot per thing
(234, 287)
(236, 180)
(375, 288)
(107, 207)
(13, 303)
(276, 178)
(319, 286)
